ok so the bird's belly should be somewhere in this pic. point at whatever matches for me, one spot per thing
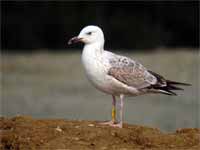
(108, 85)
(97, 74)
(102, 81)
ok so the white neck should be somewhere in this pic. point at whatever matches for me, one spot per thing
(97, 46)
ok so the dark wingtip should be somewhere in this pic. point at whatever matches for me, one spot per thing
(171, 87)
(168, 92)
(178, 83)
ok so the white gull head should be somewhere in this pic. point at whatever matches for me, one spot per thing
(89, 35)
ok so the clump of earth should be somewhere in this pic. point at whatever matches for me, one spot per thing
(26, 133)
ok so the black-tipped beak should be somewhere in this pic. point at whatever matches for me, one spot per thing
(74, 40)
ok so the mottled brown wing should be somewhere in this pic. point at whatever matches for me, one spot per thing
(134, 75)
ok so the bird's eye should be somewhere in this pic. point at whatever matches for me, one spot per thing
(89, 33)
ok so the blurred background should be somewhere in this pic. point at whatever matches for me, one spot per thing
(43, 77)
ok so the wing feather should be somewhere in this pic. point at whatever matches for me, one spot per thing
(131, 72)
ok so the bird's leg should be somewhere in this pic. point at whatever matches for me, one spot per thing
(113, 109)
(113, 121)
(120, 124)
(121, 110)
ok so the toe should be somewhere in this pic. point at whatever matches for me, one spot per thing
(107, 123)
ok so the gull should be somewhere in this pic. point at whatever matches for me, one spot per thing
(118, 75)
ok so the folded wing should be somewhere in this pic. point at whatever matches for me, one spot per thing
(131, 73)
(134, 74)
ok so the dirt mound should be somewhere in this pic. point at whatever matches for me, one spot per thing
(26, 133)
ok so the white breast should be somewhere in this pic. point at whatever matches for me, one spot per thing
(94, 67)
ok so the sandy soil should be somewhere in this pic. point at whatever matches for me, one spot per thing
(26, 133)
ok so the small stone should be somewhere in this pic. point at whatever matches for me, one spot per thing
(58, 129)
(76, 138)
(77, 127)
(113, 133)
(90, 125)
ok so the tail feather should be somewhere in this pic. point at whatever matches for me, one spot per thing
(167, 92)
(166, 86)
(177, 83)
(170, 86)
